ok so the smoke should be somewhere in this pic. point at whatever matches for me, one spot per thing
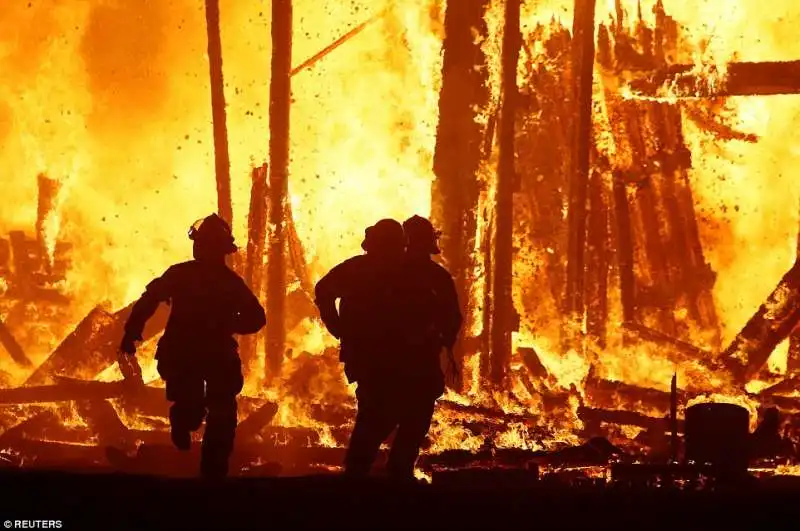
(125, 51)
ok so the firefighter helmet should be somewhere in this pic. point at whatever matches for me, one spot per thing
(385, 234)
(420, 234)
(213, 231)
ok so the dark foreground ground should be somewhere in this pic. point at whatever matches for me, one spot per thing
(114, 502)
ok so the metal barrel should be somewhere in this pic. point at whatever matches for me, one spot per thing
(718, 434)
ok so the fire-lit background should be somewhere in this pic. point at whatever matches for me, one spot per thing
(106, 106)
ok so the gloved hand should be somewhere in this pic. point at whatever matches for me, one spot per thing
(130, 368)
(128, 345)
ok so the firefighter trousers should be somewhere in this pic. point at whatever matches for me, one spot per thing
(380, 412)
(206, 391)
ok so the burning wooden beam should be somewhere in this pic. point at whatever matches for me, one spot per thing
(532, 362)
(786, 386)
(583, 60)
(673, 417)
(28, 428)
(102, 418)
(685, 351)
(489, 414)
(279, 109)
(768, 78)
(221, 157)
(772, 323)
(13, 347)
(140, 400)
(597, 268)
(297, 254)
(609, 394)
(5, 258)
(256, 228)
(256, 240)
(504, 319)
(48, 192)
(624, 248)
(455, 192)
(314, 59)
(61, 456)
(255, 422)
(793, 362)
(483, 341)
(93, 344)
(594, 417)
(64, 392)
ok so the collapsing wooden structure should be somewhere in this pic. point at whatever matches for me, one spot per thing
(589, 141)
(631, 226)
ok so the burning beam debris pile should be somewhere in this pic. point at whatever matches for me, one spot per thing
(577, 188)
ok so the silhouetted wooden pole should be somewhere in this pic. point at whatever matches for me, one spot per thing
(624, 248)
(793, 363)
(279, 105)
(504, 315)
(583, 68)
(256, 240)
(455, 192)
(222, 161)
(597, 270)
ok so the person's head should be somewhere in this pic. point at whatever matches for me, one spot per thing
(384, 239)
(213, 239)
(421, 237)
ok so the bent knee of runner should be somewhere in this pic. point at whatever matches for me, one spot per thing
(187, 415)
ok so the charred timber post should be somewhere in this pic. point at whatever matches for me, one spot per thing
(13, 348)
(256, 240)
(296, 254)
(597, 271)
(221, 158)
(793, 363)
(622, 217)
(455, 192)
(279, 108)
(583, 65)
(673, 417)
(504, 315)
(48, 193)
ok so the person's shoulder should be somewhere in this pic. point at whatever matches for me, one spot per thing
(353, 264)
(189, 264)
(234, 276)
(180, 268)
(356, 260)
(440, 272)
(171, 277)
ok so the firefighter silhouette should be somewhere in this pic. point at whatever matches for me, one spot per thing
(198, 356)
(434, 315)
(391, 330)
